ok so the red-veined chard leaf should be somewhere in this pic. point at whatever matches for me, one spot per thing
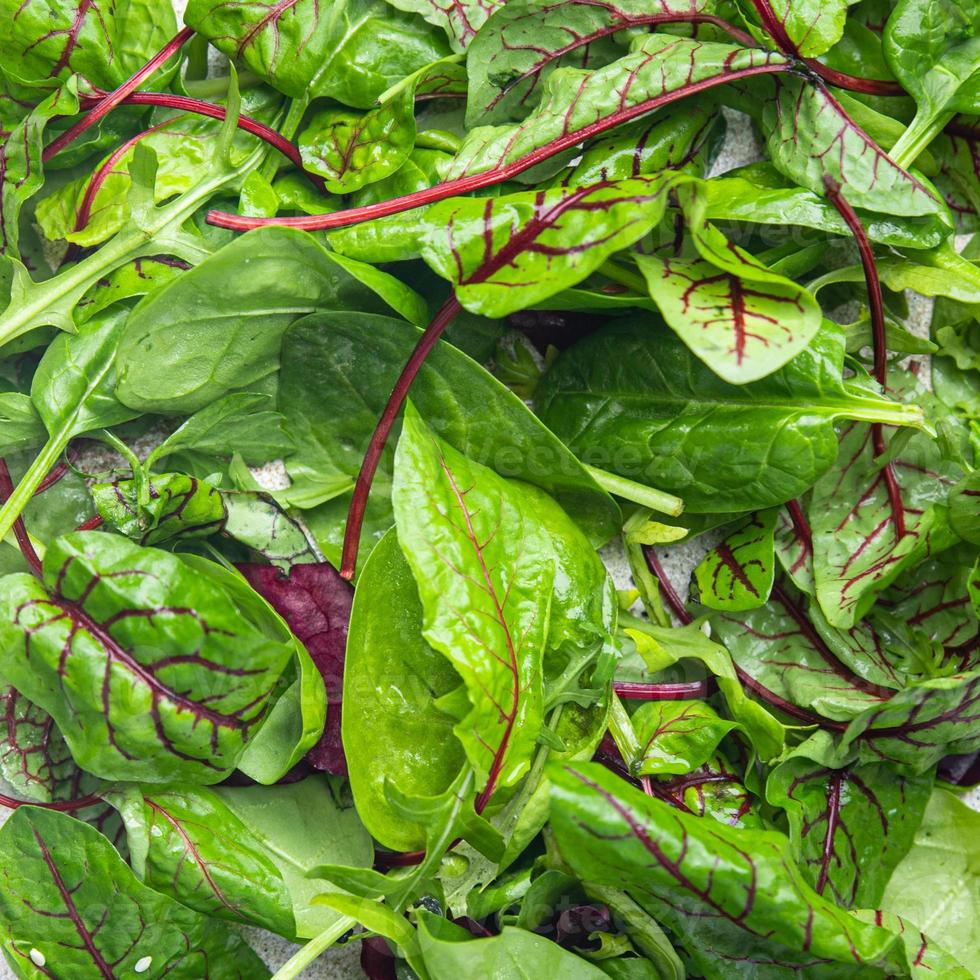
(577, 104)
(103, 42)
(716, 790)
(733, 897)
(811, 26)
(737, 573)
(793, 540)
(506, 253)
(150, 671)
(264, 527)
(958, 153)
(964, 508)
(349, 51)
(631, 398)
(392, 679)
(920, 725)
(858, 546)
(315, 602)
(485, 591)
(186, 843)
(72, 903)
(676, 736)
(935, 889)
(927, 958)
(780, 648)
(351, 149)
(849, 827)
(525, 40)
(460, 19)
(810, 138)
(164, 506)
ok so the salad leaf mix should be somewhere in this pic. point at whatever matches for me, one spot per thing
(477, 284)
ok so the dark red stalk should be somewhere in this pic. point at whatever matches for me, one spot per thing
(91, 524)
(20, 530)
(56, 474)
(682, 691)
(963, 130)
(246, 123)
(497, 175)
(66, 806)
(833, 818)
(672, 598)
(369, 465)
(879, 344)
(777, 31)
(800, 524)
(108, 102)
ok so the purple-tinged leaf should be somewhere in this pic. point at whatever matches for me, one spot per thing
(737, 573)
(810, 137)
(507, 253)
(150, 670)
(858, 550)
(316, 603)
(460, 19)
(70, 901)
(525, 40)
(732, 897)
(849, 827)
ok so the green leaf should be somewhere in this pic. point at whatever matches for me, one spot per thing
(737, 573)
(730, 896)
(813, 27)
(677, 736)
(574, 101)
(352, 149)
(351, 51)
(195, 340)
(450, 951)
(338, 370)
(810, 137)
(460, 19)
(964, 508)
(504, 254)
(302, 826)
(176, 506)
(937, 887)
(20, 424)
(933, 49)
(193, 848)
(392, 679)
(70, 901)
(850, 827)
(149, 671)
(263, 526)
(632, 399)
(485, 595)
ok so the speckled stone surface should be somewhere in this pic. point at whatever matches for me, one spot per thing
(740, 147)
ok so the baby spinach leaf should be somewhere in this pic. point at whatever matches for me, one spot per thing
(190, 343)
(448, 949)
(315, 602)
(143, 683)
(964, 506)
(175, 506)
(632, 399)
(747, 903)
(22, 427)
(392, 680)
(352, 364)
(352, 149)
(738, 573)
(302, 826)
(850, 827)
(943, 855)
(188, 844)
(72, 903)
(485, 595)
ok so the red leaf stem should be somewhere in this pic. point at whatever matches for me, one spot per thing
(369, 465)
(109, 101)
(681, 691)
(672, 598)
(63, 806)
(800, 524)
(91, 524)
(20, 529)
